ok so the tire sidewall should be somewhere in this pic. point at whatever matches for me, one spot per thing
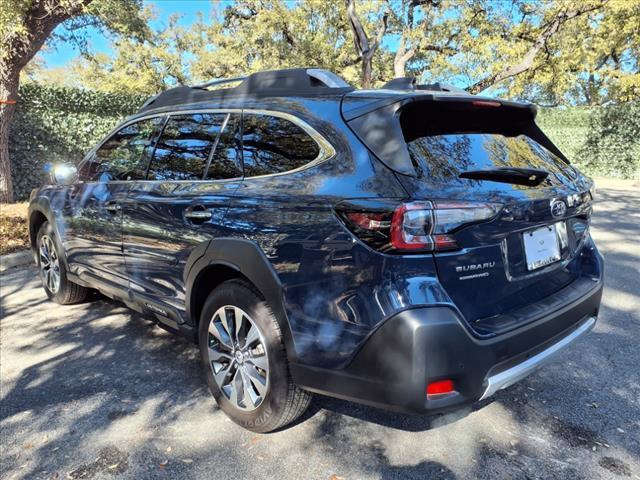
(239, 294)
(47, 229)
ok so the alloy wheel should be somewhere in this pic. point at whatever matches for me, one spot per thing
(49, 264)
(238, 357)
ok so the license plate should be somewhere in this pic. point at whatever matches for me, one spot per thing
(541, 247)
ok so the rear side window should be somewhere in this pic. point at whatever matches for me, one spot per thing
(185, 145)
(274, 145)
(125, 155)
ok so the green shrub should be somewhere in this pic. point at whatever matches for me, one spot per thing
(56, 124)
(612, 146)
(566, 127)
(601, 141)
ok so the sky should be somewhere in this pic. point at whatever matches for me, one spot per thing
(63, 52)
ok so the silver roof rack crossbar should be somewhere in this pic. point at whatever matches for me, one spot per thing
(327, 77)
(410, 83)
(446, 87)
(220, 81)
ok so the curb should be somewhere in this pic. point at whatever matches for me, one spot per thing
(17, 259)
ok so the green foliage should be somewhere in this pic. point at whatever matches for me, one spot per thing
(601, 141)
(555, 52)
(566, 127)
(55, 124)
(612, 148)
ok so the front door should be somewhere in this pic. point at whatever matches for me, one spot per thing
(93, 217)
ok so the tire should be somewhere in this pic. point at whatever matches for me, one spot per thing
(281, 401)
(62, 291)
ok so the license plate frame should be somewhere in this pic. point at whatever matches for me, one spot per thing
(541, 247)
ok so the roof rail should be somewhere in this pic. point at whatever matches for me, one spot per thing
(287, 82)
(409, 83)
(219, 81)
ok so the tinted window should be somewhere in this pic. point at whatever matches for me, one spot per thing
(225, 162)
(184, 146)
(125, 155)
(442, 158)
(273, 145)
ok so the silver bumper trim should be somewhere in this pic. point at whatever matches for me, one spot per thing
(518, 372)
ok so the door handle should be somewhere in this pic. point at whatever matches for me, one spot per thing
(198, 214)
(113, 207)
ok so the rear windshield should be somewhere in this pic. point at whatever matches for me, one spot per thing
(442, 158)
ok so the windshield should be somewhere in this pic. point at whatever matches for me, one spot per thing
(442, 158)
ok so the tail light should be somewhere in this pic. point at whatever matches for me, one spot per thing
(423, 226)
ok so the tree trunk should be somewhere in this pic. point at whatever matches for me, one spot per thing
(367, 69)
(401, 57)
(41, 17)
(365, 48)
(8, 96)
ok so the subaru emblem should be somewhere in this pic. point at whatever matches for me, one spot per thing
(558, 208)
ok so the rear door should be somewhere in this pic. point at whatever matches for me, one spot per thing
(93, 221)
(194, 173)
(528, 251)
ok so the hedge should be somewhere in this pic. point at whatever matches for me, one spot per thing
(601, 141)
(56, 124)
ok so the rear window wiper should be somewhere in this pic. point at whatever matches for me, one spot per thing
(520, 176)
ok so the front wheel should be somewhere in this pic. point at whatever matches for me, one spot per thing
(52, 269)
(244, 359)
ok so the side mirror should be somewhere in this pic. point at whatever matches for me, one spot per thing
(64, 174)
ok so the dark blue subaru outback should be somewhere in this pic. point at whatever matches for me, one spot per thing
(413, 247)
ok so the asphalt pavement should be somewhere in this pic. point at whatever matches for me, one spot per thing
(96, 391)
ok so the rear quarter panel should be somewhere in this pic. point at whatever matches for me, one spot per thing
(336, 290)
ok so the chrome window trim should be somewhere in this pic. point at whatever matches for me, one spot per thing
(326, 148)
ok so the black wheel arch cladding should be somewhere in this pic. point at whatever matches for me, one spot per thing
(247, 260)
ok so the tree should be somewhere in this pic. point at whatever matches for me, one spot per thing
(25, 25)
(253, 35)
(365, 47)
(141, 67)
(537, 37)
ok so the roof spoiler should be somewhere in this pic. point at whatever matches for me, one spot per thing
(379, 125)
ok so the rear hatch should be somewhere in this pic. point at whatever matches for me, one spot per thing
(477, 150)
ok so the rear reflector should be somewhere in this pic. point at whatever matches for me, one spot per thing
(485, 103)
(440, 387)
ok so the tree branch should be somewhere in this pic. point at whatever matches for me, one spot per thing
(549, 30)
(364, 48)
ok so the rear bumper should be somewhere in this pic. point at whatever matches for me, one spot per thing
(514, 374)
(422, 345)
